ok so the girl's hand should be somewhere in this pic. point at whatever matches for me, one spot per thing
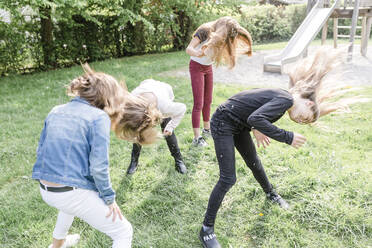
(298, 140)
(167, 133)
(199, 53)
(261, 138)
(114, 211)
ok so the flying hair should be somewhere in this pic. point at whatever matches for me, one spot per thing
(310, 80)
(227, 40)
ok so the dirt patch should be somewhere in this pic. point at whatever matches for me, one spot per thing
(249, 71)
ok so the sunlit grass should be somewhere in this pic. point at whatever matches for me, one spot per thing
(327, 182)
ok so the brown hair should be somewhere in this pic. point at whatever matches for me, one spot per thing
(227, 39)
(99, 89)
(137, 121)
(308, 80)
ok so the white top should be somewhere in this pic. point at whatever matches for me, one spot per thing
(205, 60)
(164, 96)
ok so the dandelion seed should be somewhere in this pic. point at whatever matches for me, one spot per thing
(64, 45)
(84, 46)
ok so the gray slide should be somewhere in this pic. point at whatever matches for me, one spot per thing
(297, 45)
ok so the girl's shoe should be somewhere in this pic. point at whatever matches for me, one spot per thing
(71, 240)
(208, 238)
(206, 133)
(199, 142)
(275, 198)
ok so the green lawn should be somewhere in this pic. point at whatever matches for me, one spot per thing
(327, 182)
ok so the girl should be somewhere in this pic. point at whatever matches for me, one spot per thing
(161, 96)
(255, 110)
(214, 42)
(72, 163)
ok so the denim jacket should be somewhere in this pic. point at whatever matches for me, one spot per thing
(74, 148)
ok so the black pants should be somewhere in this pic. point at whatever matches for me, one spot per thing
(171, 142)
(228, 134)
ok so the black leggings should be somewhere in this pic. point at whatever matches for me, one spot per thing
(171, 142)
(227, 134)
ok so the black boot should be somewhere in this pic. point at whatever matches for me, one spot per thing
(179, 164)
(208, 238)
(174, 149)
(275, 198)
(134, 158)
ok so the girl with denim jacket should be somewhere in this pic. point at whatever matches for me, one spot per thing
(219, 41)
(72, 162)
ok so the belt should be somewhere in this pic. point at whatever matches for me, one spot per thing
(56, 189)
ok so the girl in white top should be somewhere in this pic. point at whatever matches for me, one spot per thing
(161, 95)
(219, 41)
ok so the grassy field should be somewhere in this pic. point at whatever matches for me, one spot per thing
(327, 182)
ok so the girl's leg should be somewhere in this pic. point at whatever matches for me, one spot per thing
(208, 94)
(63, 224)
(197, 84)
(224, 146)
(136, 151)
(86, 205)
(244, 144)
(174, 148)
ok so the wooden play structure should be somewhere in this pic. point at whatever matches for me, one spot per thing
(353, 10)
(319, 13)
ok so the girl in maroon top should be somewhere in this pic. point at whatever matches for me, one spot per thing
(213, 42)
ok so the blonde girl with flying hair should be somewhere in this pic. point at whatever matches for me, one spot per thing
(72, 164)
(160, 96)
(308, 98)
(218, 42)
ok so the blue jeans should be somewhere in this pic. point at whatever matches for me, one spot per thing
(228, 134)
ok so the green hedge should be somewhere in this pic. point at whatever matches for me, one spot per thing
(96, 30)
(268, 23)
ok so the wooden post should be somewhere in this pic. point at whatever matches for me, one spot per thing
(324, 33)
(354, 22)
(335, 32)
(365, 38)
(364, 25)
(310, 5)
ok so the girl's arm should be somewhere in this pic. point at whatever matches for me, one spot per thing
(99, 158)
(176, 111)
(260, 119)
(190, 50)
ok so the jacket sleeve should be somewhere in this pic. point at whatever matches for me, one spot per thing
(273, 110)
(99, 158)
(176, 111)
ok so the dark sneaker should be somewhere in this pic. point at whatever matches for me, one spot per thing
(199, 142)
(180, 166)
(206, 133)
(275, 198)
(208, 238)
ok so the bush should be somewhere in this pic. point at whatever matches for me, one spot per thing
(96, 30)
(269, 23)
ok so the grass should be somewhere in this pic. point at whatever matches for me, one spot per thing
(327, 182)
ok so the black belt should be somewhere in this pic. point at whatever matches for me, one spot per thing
(56, 189)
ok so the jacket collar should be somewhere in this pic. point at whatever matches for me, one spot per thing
(79, 99)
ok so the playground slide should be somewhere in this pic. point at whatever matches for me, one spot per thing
(297, 45)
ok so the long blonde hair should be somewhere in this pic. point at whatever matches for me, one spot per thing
(309, 80)
(227, 39)
(137, 121)
(99, 89)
